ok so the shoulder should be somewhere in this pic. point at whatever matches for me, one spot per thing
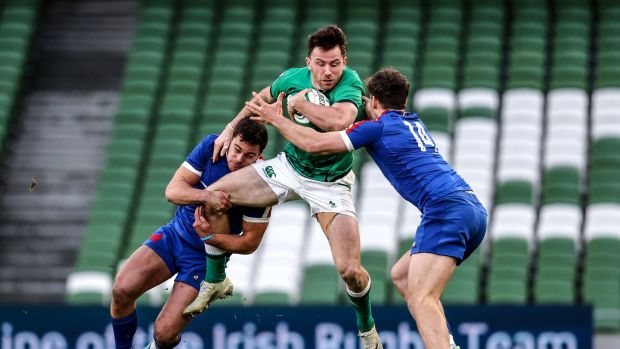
(350, 85)
(365, 124)
(350, 77)
(293, 72)
(208, 141)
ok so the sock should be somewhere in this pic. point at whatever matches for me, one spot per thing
(124, 330)
(361, 303)
(452, 343)
(153, 344)
(216, 268)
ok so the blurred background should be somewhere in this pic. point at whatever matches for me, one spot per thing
(101, 100)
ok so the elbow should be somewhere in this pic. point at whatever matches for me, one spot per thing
(342, 125)
(169, 194)
(249, 248)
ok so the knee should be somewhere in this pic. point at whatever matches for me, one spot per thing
(397, 276)
(350, 272)
(418, 303)
(123, 293)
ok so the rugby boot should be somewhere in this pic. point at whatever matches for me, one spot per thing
(209, 292)
(370, 339)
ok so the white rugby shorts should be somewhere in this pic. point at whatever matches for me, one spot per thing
(289, 185)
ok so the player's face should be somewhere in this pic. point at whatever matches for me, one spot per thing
(326, 67)
(240, 154)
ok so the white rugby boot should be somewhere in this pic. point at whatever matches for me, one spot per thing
(370, 339)
(209, 292)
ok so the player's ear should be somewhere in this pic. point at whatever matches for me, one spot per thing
(308, 61)
(344, 60)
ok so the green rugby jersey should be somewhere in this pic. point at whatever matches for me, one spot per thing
(325, 168)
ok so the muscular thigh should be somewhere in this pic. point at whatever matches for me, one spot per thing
(246, 188)
(143, 270)
(429, 273)
(342, 232)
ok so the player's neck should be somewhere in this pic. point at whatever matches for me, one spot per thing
(381, 111)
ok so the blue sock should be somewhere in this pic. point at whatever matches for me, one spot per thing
(153, 344)
(124, 329)
(452, 344)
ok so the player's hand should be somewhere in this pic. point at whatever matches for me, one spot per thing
(201, 225)
(217, 201)
(368, 111)
(222, 142)
(264, 111)
(294, 101)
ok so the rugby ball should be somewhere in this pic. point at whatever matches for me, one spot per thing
(314, 96)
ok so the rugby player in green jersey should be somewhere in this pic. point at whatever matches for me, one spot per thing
(323, 181)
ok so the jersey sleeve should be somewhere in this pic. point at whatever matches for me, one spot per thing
(256, 214)
(200, 155)
(361, 133)
(351, 89)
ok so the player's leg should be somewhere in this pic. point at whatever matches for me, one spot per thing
(246, 188)
(262, 184)
(143, 270)
(399, 274)
(215, 284)
(428, 277)
(170, 321)
(342, 232)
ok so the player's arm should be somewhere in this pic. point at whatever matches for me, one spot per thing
(223, 140)
(245, 243)
(333, 118)
(305, 138)
(180, 190)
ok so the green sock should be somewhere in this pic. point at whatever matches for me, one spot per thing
(365, 322)
(216, 268)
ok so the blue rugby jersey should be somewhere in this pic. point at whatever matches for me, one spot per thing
(199, 162)
(402, 148)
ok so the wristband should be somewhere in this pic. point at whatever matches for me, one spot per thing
(208, 237)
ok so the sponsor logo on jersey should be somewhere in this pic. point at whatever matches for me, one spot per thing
(332, 204)
(269, 172)
(156, 236)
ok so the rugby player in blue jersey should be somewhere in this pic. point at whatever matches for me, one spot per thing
(176, 248)
(453, 220)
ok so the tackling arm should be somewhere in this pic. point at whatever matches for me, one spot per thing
(245, 243)
(180, 190)
(221, 144)
(305, 138)
(310, 140)
(264, 94)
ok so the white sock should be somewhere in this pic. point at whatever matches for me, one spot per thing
(213, 251)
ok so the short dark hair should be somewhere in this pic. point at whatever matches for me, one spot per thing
(327, 38)
(389, 87)
(252, 132)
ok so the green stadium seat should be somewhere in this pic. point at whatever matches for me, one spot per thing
(554, 292)
(318, 287)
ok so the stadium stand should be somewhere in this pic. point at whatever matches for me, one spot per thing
(16, 26)
(522, 98)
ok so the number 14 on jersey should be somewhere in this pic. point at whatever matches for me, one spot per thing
(419, 133)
